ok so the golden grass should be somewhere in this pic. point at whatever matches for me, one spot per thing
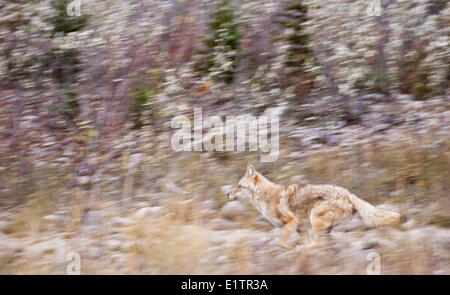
(403, 174)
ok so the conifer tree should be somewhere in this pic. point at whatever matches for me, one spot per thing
(293, 19)
(221, 49)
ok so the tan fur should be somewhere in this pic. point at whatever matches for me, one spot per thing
(326, 205)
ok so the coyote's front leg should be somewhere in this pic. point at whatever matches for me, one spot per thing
(291, 224)
(288, 228)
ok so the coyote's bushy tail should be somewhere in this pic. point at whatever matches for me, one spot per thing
(374, 216)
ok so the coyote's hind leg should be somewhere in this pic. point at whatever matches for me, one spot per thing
(323, 216)
(320, 226)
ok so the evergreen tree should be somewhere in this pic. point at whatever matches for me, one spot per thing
(221, 48)
(64, 23)
(293, 19)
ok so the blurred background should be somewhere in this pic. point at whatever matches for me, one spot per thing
(86, 103)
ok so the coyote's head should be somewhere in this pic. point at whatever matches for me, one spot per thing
(246, 186)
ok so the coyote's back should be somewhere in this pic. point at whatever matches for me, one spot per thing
(342, 201)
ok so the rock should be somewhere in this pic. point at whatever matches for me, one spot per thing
(93, 218)
(84, 180)
(309, 119)
(375, 98)
(222, 224)
(53, 219)
(7, 257)
(121, 222)
(148, 212)
(114, 245)
(11, 249)
(10, 245)
(360, 108)
(61, 160)
(409, 224)
(118, 237)
(47, 247)
(94, 252)
(84, 169)
(6, 227)
(415, 210)
(135, 159)
(115, 154)
(228, 95)
(312, 139)
(381, 128)
(233, 209)
(332, 140)
(276, 111)
(129, 246)
(295, 155)
(173, 188)
(446, 244)
(47, 144)
(368, 244)
(208, 206)
(142, 204)
(218, 238)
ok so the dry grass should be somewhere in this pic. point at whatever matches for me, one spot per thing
(181, 240)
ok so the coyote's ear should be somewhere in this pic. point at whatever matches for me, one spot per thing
(250, 170)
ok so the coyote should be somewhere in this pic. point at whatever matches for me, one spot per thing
(326, 205)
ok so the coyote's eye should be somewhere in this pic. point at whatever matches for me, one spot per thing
(239, 186)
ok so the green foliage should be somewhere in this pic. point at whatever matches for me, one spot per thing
(62, 66)
(64, 23)
(421, 89)
(72, 107)
(373, 82)
(299, 55)
(414, 78)
(141, 106)
(294, 18)
(220, 55)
